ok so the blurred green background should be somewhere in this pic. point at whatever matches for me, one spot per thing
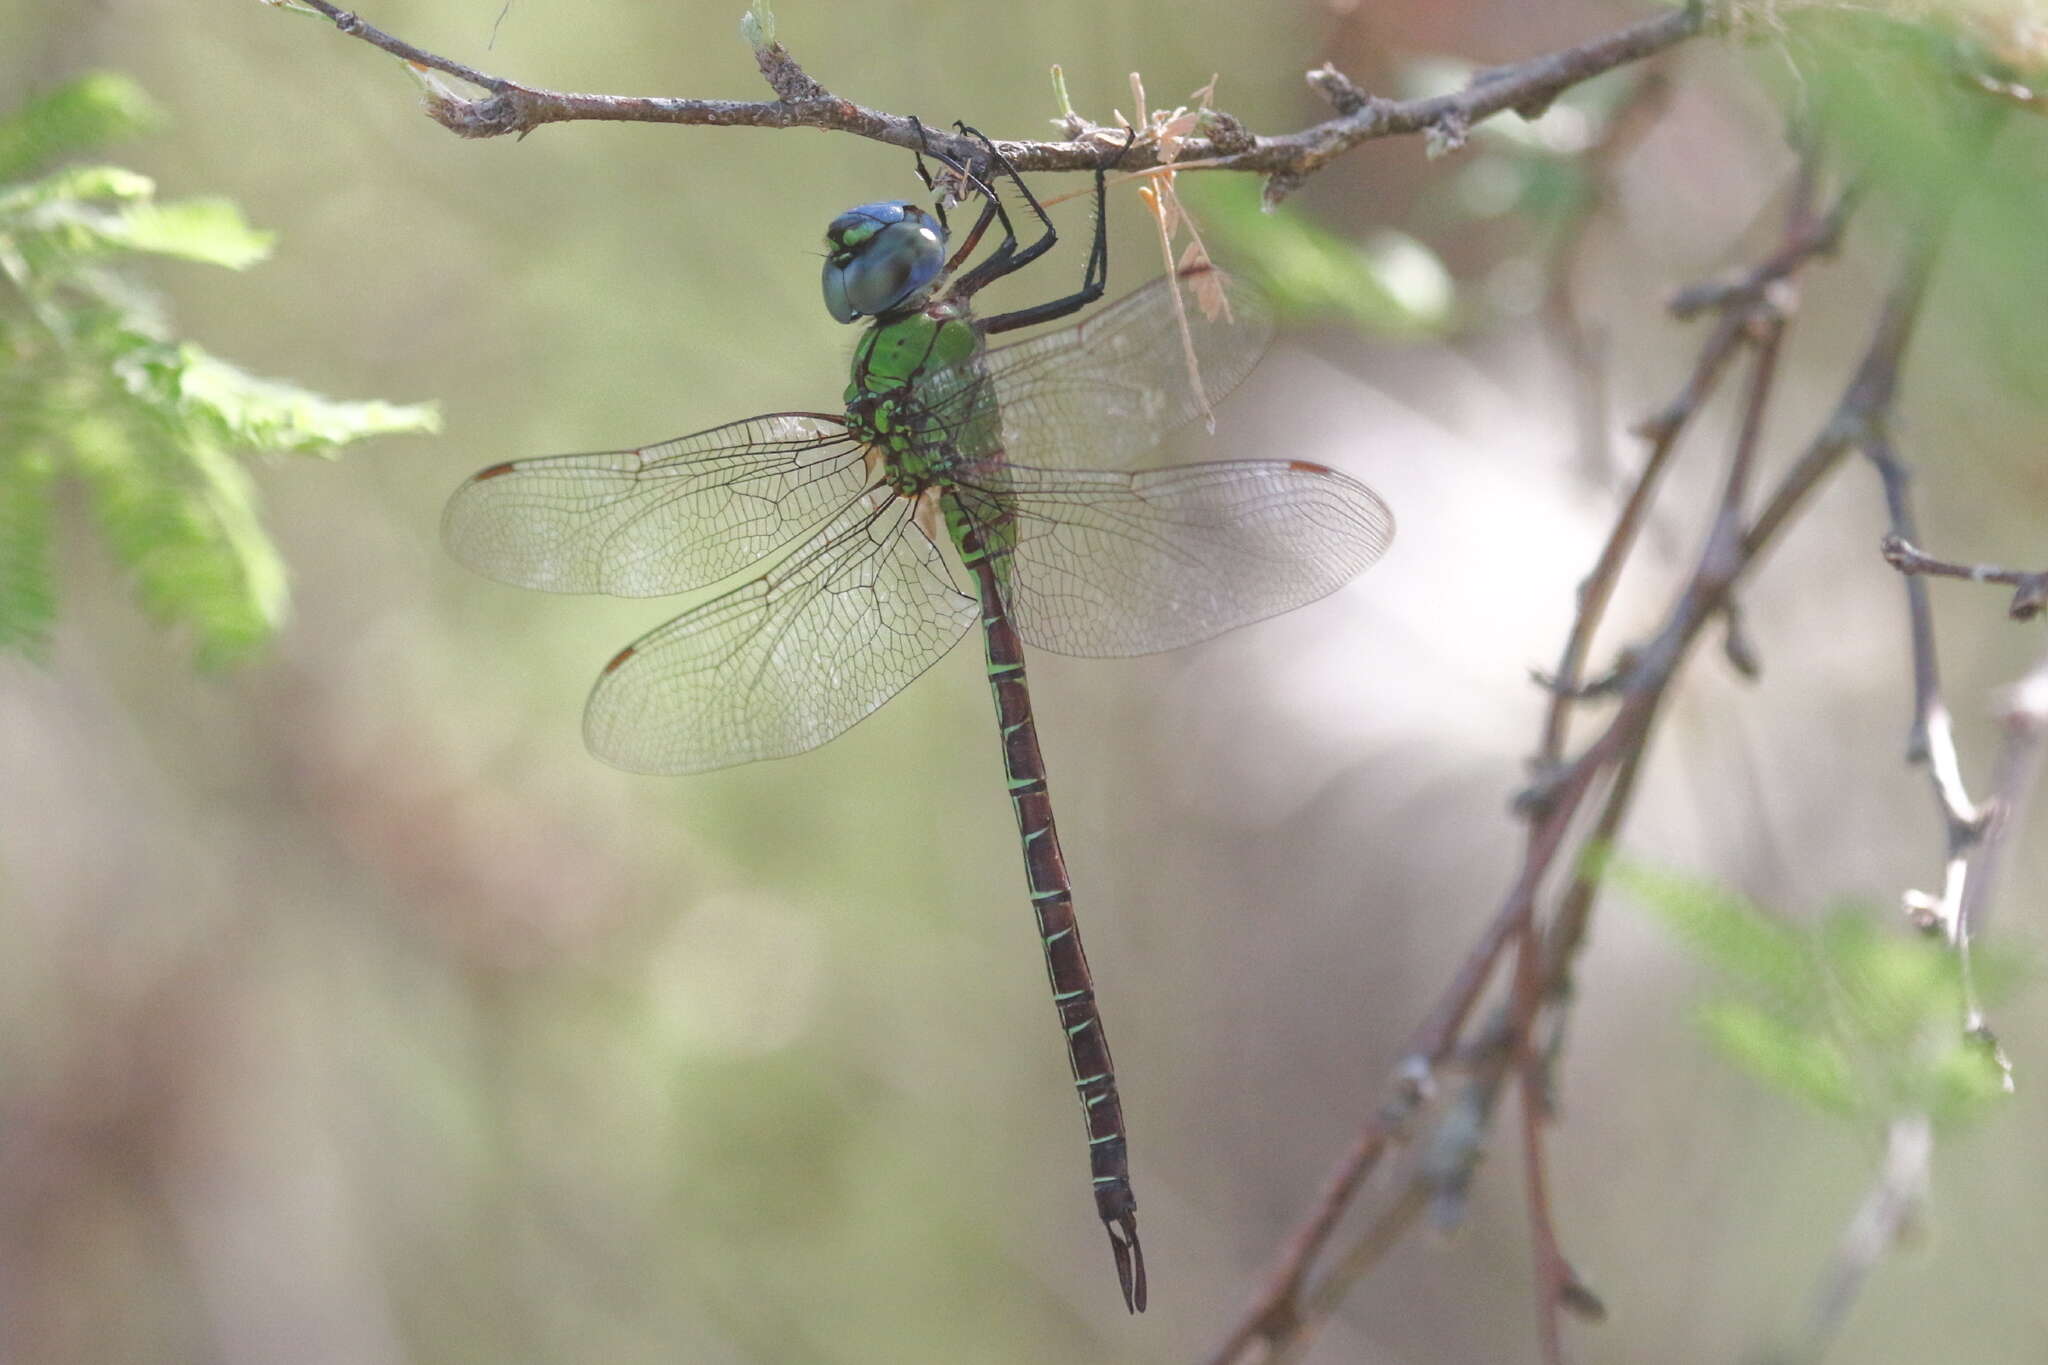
(350, 1012)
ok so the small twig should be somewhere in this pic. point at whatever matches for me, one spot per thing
(2024, 713)
(1973, 834)
(1280, 1311)
(1813, 237)
(1722, 559)
(1805, 239)
(2030, 585)
(1900, 1189)
(1597, 591)
(1525, 88)
(1886, 1212)
(1288, 1312)
(1554, 1277)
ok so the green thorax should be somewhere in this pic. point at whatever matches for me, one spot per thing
(920, 429)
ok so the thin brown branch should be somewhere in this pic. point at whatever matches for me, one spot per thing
(2030, 585)
(1899, 1192)
(1805, 238)
(1526, 88)
(1279, 1313)
(1810, 238)
(1733, 547)
(1973, 835)
(1553, 1275)
(1597, 590)
(1868, 396)
(1289, 1311)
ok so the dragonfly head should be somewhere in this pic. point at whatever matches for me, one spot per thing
(881, 258)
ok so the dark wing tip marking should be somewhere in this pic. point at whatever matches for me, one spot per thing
(1309, 467)
(504, 467)
(620, 658)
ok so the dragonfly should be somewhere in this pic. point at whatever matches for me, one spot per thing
(1024, 461)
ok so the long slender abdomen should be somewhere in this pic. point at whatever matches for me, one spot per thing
(1052, 901)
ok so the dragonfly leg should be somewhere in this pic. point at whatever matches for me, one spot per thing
(991, 206)
(1007, 257)
(931, 185)
(1000, 166)
(988, 215)
(1094, 278)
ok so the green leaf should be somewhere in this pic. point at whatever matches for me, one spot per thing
(1805, 1065)
(252, 413)
(208, 230)
(28, 600)
(58, 227)
(180, 516)
(1729, 931)
(80, 116)
(1962, 1082)
(1854, 1016)
(1889, 987)
(95, 384)
(68, 188)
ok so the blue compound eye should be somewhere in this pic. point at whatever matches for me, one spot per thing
(883, 259)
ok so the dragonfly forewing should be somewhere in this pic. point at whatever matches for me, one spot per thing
(785, 661)
(662, 519)
(1103, 563)
(1104, 393)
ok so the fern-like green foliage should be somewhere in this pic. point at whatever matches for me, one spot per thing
(1852, 1016)
(95, 388)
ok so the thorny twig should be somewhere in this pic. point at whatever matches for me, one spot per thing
(1527, 88)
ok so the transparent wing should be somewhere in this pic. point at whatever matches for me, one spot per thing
(1102, 394)
(1106, 564)
(786, 661)
(662, 519)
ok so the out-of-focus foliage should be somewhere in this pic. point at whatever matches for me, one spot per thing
(1895, 99)
(94, 385)
(1389, 284)
(1846, 1015)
